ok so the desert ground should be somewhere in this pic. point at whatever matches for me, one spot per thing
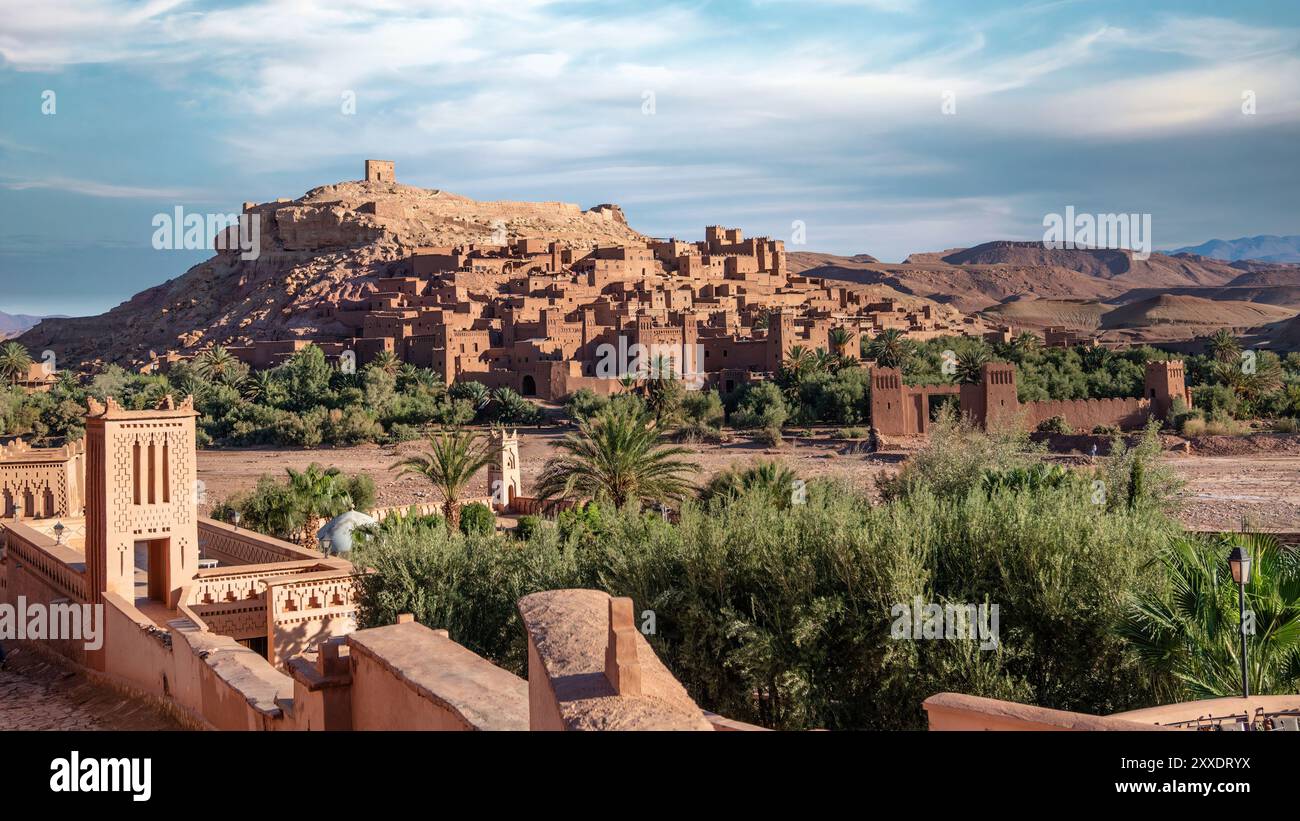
(1227, 478)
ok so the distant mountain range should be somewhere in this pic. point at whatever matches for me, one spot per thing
(1265, 248)
(1023, 284)
(12, 325)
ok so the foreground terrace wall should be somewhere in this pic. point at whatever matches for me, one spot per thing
(955, 711)
(408, 677)
(589, 668)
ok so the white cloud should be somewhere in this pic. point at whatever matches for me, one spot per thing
(92, 188)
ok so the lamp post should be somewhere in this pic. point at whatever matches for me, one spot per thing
(1239, 563)
(58, 532)
(325, 544)
(235, 518)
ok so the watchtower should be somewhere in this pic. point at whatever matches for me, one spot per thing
(381, 171)
(994, 400)
(141, 501)
(504, 482)
(1164, 382)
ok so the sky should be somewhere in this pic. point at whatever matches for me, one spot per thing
(879, 126)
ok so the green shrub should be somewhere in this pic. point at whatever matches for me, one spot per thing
(527, 527)
(761, 405)
(477, 518)
(1055, 424)
(583, 403)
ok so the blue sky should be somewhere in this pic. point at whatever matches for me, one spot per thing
(765, 112)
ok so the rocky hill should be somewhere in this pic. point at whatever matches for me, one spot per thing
(330, 245)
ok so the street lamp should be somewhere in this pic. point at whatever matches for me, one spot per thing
(325, 544)
(58, 532)
(235, 518)
(1239, 562)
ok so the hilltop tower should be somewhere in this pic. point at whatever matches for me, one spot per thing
(381, 171)
(141, 501)
(504, 482)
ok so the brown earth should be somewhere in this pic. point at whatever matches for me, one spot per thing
(1227, 477)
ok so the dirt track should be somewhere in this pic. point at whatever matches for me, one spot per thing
(1262, 484)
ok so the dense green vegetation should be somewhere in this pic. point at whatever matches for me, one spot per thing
(305, 402)
(309, 402)
(780, 612)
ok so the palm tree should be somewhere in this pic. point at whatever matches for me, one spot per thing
(890, 349)
(1223, 346)
(216, 364)
(824, 361)
(840, 337)
(476, 392)
(970, 366)
(1025, 344)
(1096, 357)
(453, 458)
(1251, 385)
(318, 494)
(14, 362)
(1186, 633)
(771, 478)
(663, 398)
(387, 362)
(260, 386)
(616, 454)
(798, 358)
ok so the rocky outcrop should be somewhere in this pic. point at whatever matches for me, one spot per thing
(326, 248)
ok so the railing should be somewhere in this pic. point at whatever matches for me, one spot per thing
(235, 546)
(531, 506)
(62, 568)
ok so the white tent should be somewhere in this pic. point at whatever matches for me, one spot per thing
(339, 531)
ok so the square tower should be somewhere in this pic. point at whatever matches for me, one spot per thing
(504, 482)
(1165, 382)
(141, 501)
(381, 171)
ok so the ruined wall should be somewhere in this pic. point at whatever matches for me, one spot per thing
(1085, 414)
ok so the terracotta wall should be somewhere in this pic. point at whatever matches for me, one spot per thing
(232, 546)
